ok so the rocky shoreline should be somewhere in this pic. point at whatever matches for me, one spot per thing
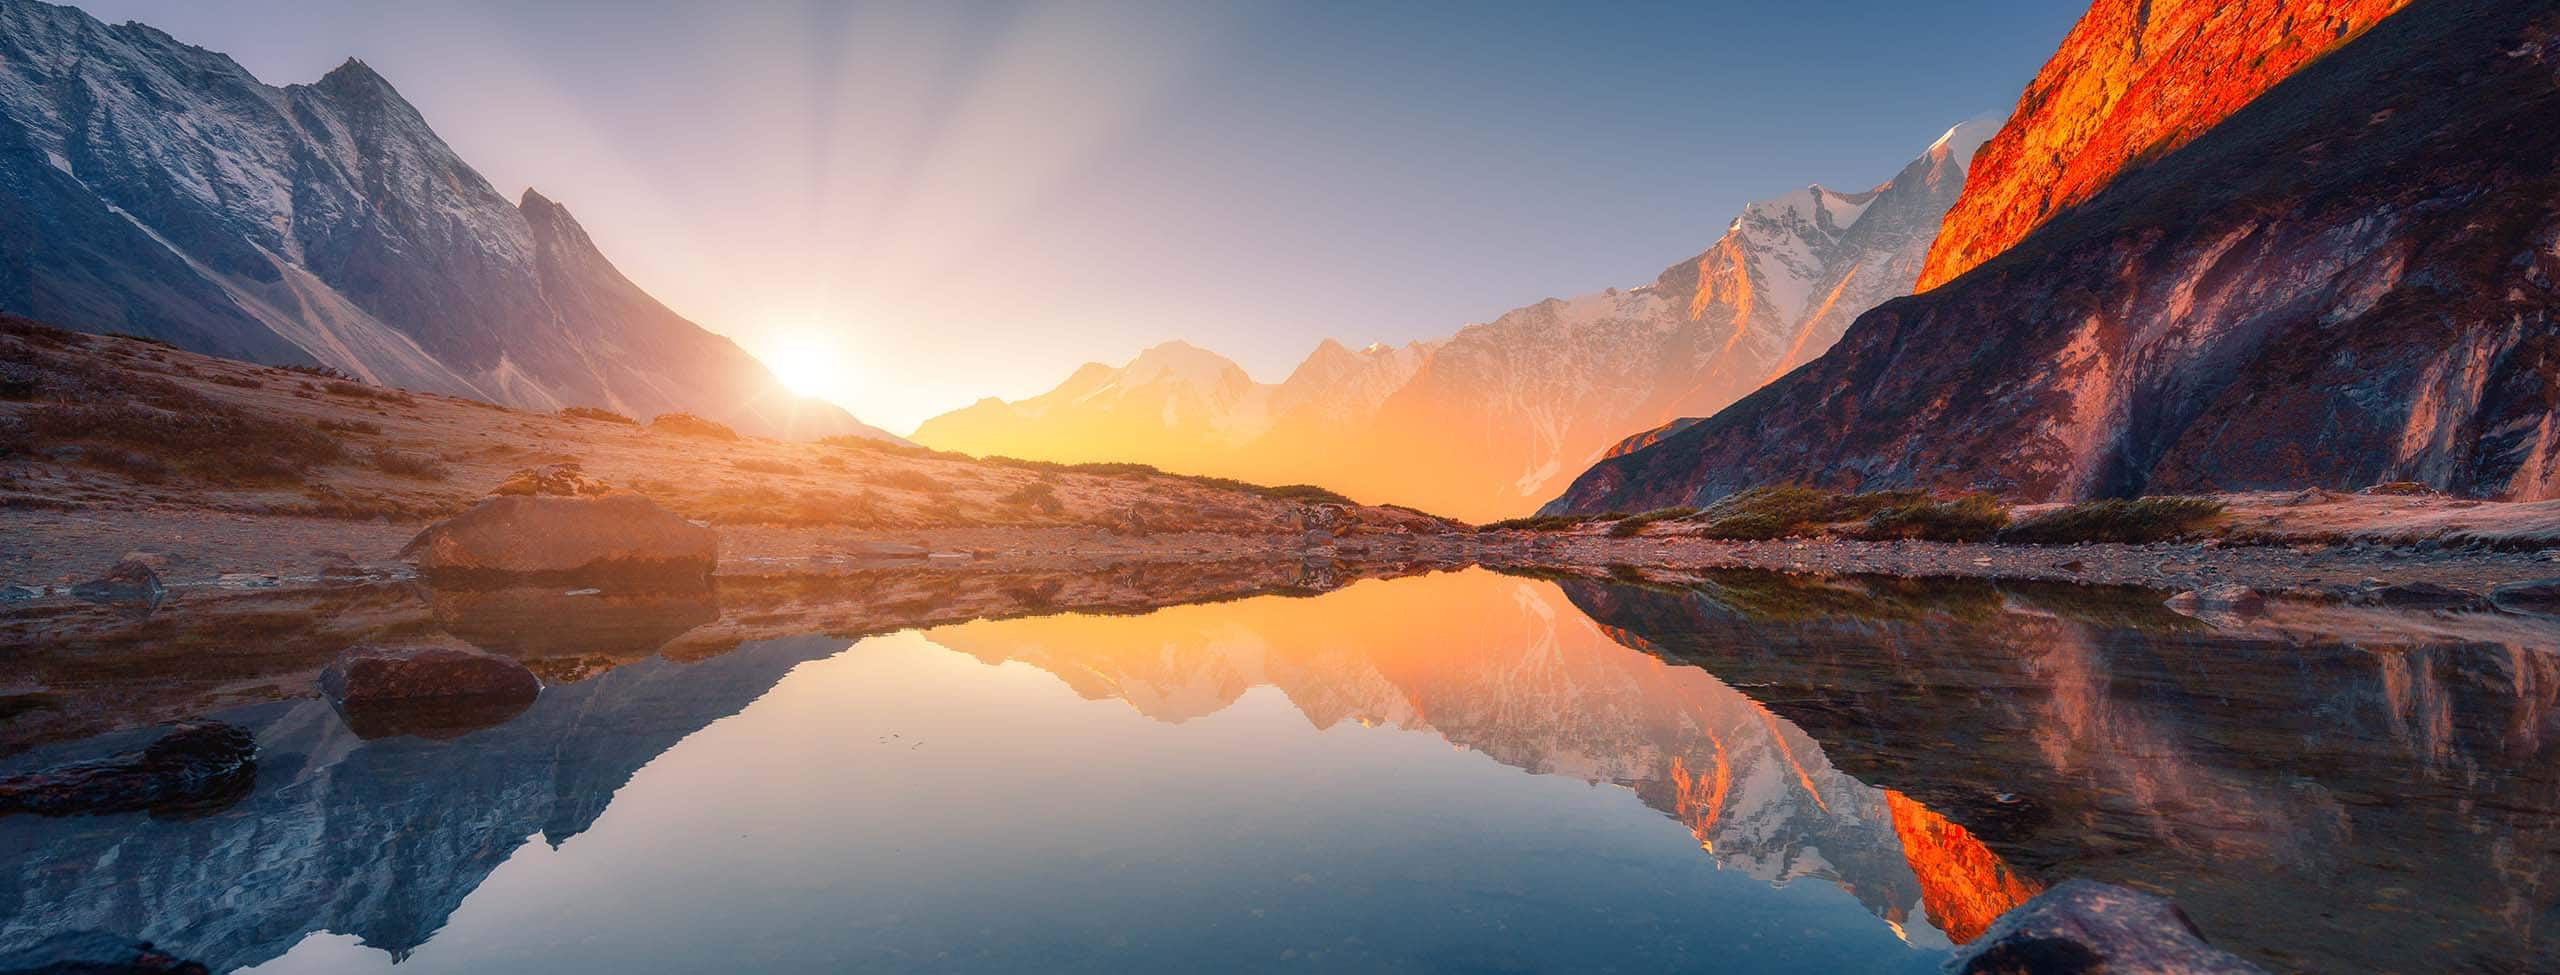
(212, 551)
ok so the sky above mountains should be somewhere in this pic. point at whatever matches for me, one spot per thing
(905, 207)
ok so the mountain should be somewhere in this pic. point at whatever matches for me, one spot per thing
(2134, 80)
(1500, 416)
(158, 189)
(2349, 280)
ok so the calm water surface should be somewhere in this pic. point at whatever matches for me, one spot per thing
(1461, 772)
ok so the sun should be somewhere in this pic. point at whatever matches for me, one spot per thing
(807, 361)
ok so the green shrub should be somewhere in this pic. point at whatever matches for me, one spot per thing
(402, 463)
(597, 413)
(1971, 518)
(1037, 494)
(689, 425)
(1634, 525)
(1546, 523)
(2135, 521)
(1760, 514)
(215, 442)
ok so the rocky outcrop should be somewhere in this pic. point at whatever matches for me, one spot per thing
(161, 190)
(2082, 927)
(197, 765)
(2135, 80)
(1500, 416)
(2349, 281)
(559, 524)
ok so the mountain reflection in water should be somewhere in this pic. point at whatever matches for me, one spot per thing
(1460, 771)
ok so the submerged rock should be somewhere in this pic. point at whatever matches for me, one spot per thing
(2423, 595)
(2227, 599)
(2083, 927)
(2540, 597)
(95, 953)
(197, 765)
(132, 580)
(365, 674)
(436, 690)
(556, 523)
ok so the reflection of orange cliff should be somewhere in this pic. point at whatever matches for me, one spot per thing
(1963, 884)
(1509, 668)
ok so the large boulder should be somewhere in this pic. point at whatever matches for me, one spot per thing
(557, 524)
(433, 690)
(2082, 927)
(199, 765)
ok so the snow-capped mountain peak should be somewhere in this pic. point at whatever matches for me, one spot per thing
(171, 194)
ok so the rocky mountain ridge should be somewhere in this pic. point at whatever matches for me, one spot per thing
(163, 191)
(2135, 80)
(2349, 281)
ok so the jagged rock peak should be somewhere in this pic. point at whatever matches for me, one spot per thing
(2134, 80)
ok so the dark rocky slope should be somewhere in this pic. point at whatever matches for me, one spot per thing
(2348, 281)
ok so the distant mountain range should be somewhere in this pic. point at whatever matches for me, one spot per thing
(2337, 276)
(158, 189)
(1497, 418)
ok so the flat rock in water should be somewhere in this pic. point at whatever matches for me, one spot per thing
(614, 536)
(2083, 927)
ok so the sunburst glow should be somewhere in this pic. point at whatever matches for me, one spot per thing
(810, 361)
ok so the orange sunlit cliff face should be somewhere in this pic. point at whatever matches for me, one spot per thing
(1509, 668)
(2134, 80)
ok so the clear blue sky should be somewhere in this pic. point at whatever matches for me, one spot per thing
(935, 201)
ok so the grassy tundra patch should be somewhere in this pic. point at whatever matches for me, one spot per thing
(2135, 521)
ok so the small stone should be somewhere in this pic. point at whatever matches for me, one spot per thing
(130, 581)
